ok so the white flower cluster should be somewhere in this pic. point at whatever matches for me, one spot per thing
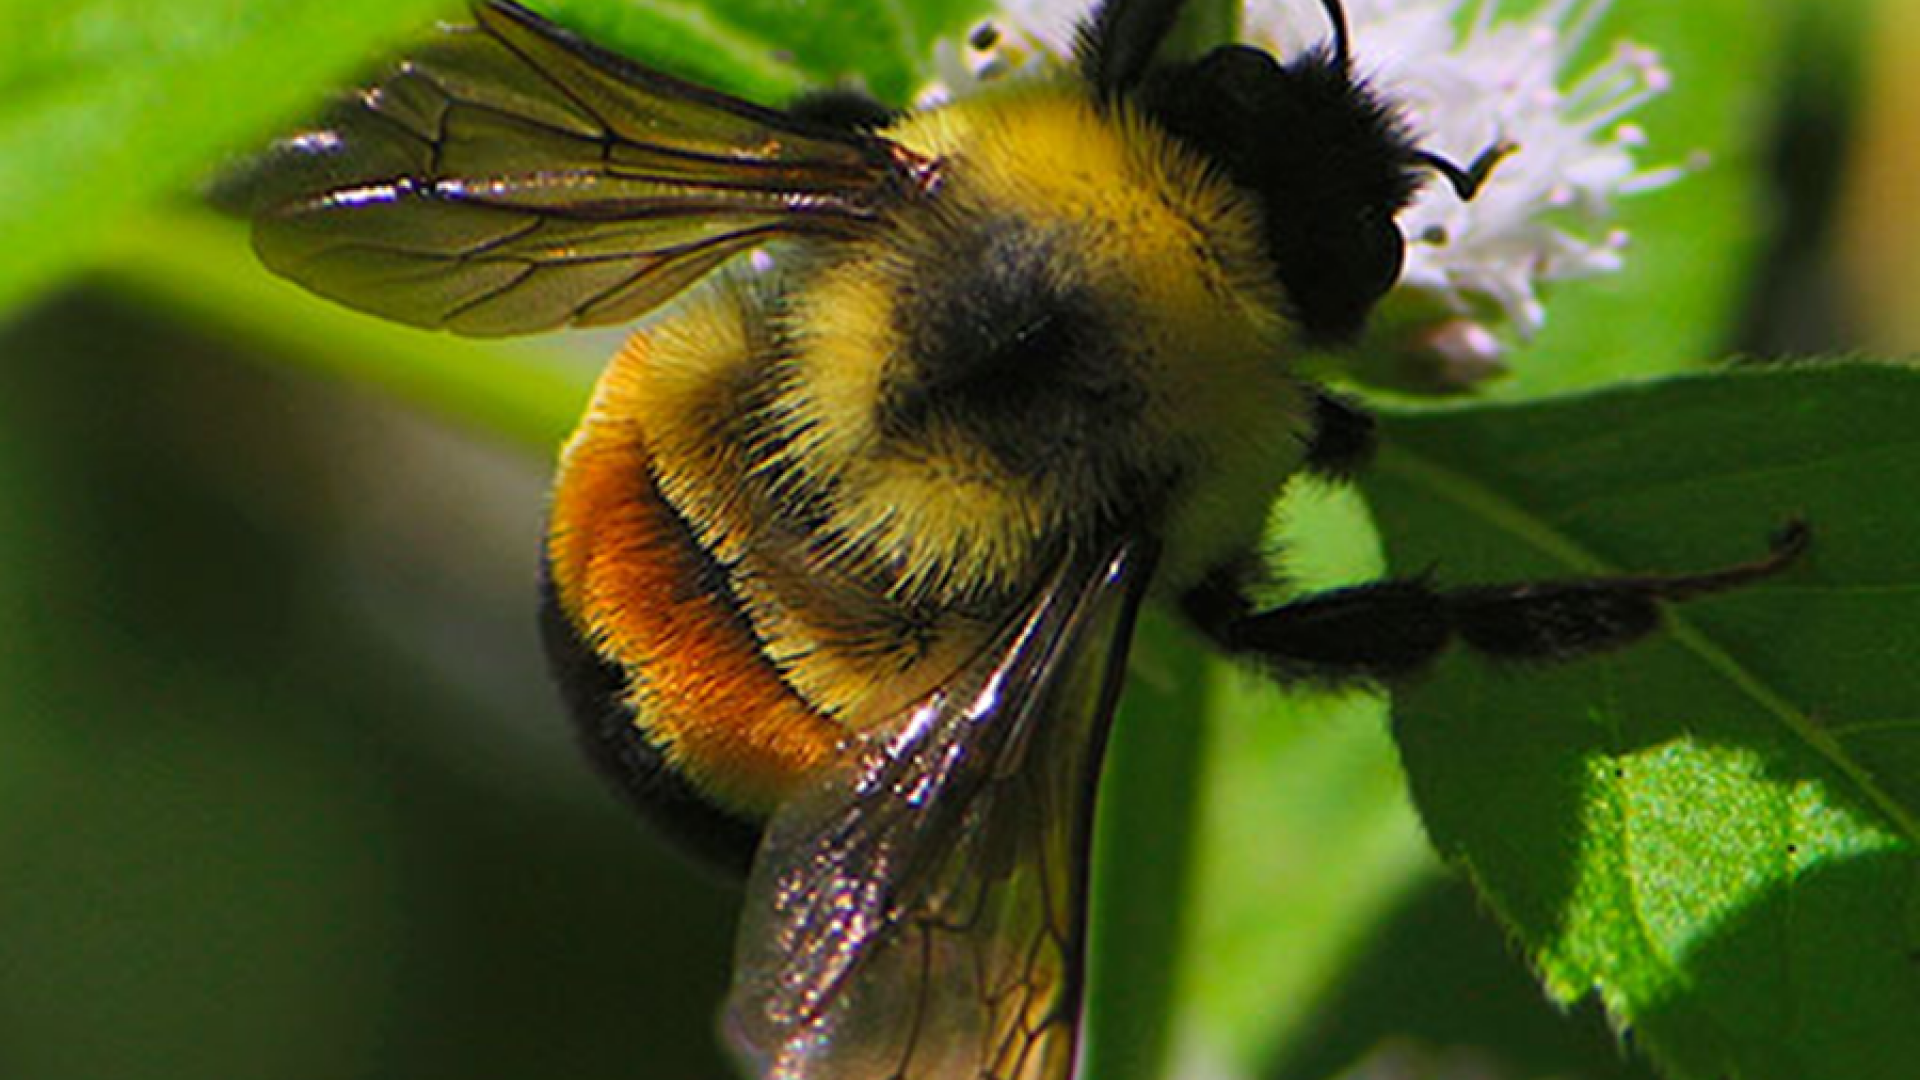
(1466, 80)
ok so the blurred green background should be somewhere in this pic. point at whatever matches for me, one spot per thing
(283, 790)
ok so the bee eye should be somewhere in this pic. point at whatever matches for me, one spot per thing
(1239, 77)
(1379, 255)
(1336, 268)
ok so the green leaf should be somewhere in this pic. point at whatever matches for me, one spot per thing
(771, 50)
(108, 105)
(1714, 829)
(1438, 984)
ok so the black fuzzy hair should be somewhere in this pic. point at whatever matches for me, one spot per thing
(1328, 160)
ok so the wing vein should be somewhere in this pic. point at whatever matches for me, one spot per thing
(607, 135)
(526, 271)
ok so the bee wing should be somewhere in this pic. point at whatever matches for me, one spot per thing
(919, 915)
(509, 176)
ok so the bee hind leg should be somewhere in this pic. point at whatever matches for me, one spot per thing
(1385, 630)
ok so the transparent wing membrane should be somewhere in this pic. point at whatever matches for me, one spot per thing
(509, 177)
(919, 914)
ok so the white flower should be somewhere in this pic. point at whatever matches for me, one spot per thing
(1466, 80)
(1048, 23)
(997, 48)
(1546, 213)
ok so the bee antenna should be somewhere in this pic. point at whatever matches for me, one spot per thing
(1337, 15)
(1466, 183)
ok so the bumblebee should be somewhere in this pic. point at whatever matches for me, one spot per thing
(844, 557)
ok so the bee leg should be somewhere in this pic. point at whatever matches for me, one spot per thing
(1343, 438)
(1391, 629)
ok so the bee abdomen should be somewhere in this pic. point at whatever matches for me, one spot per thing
(596, 694)
(670, 686)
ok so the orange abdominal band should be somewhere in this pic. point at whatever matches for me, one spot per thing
(648, 598)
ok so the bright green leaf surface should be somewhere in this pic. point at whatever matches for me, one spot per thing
(1715, 828)
(106, 105)
(773, 49)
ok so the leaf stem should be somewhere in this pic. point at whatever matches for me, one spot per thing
(1144, 856)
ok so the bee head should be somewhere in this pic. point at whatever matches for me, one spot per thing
(1328, 161)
